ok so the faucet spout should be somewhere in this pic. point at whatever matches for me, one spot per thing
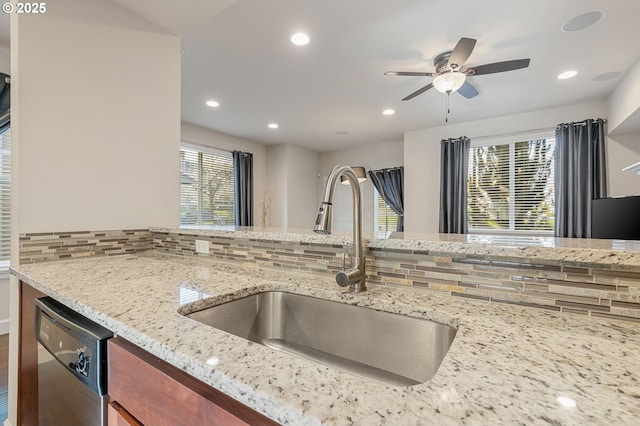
(355, 277)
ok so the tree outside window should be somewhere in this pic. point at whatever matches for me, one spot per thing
(206, 188)
(511, 187)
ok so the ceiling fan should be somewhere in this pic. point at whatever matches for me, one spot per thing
(451, 76)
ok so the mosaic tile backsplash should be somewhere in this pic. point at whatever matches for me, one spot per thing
(47, 246)
(595, 290)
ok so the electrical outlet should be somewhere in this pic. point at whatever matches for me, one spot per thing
(202, 246)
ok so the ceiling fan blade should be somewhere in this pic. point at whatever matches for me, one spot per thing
(468, 90)
(419, 91)
(461, 52)
(499, 67)
(410, 73)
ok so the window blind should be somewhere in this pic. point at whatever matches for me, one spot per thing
(386, 219)
(5, 198)
(511, 186)
(206, 187)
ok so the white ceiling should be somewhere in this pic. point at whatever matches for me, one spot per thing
(239, 53)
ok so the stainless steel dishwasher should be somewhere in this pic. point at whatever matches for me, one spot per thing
(72, 379)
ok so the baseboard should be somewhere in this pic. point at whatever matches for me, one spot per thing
(7, 423)
(4, 327)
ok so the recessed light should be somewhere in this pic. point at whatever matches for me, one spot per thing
(213, 104)
(581, 22)
(272, 125)
(300, 39)
(607, 76)
(567, 74)
(213, 361)
(388, 112)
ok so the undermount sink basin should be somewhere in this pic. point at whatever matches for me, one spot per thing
(389, 348)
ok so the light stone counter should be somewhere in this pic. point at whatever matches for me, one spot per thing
(507, 365)
(570, 251)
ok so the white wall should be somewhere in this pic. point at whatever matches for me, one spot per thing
(378, 156)
(623, 151)
(293, 186)
(95, 127)
(5, 60)
(302, 187)
(277, 185)
(4, 305)
(422, 154)
(624, 102)
(201, 136)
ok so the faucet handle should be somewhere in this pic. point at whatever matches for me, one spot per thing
(347, 278)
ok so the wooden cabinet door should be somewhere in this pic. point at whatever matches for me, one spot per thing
(159, 394)
(118, 416)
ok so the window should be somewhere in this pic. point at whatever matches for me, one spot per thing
(511, 187)
(206, 187)
(385, 218)
(5, 198)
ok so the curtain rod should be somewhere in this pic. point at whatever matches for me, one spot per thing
(524, 132)
(521, 132)
(580, 123)
(205, 146)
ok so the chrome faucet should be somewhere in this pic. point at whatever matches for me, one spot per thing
(354, 277)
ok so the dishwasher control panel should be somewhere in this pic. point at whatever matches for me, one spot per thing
(76, 342)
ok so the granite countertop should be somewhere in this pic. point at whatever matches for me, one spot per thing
(621, 254)
(507, 364)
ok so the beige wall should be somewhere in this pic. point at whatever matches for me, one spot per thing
(422, 154)
(201, 136)
(378, 156)
(293, 186)
(95, 127)
(98, 118)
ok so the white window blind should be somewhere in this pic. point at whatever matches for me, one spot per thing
(386, 220)
(5, 198)
(206, 187)
(511, 186)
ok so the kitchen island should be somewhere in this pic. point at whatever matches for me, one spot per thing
(507, 365)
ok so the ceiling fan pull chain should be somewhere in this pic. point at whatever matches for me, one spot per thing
(446, 116)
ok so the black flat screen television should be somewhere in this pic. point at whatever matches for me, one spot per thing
(616, 218)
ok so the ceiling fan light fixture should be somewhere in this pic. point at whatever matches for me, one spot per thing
(449, 81)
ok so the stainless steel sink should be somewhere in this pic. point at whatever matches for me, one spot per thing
(390, 348)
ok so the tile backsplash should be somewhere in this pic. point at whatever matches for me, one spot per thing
(47, 246)
(595, 290)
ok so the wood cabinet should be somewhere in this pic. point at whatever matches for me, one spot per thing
(143, 389)
(118, 416)
(147, 390)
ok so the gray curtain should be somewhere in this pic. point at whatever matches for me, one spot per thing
(581, 175)
(390, 186)
(454, 165)
(5, 102)
(243, 180)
